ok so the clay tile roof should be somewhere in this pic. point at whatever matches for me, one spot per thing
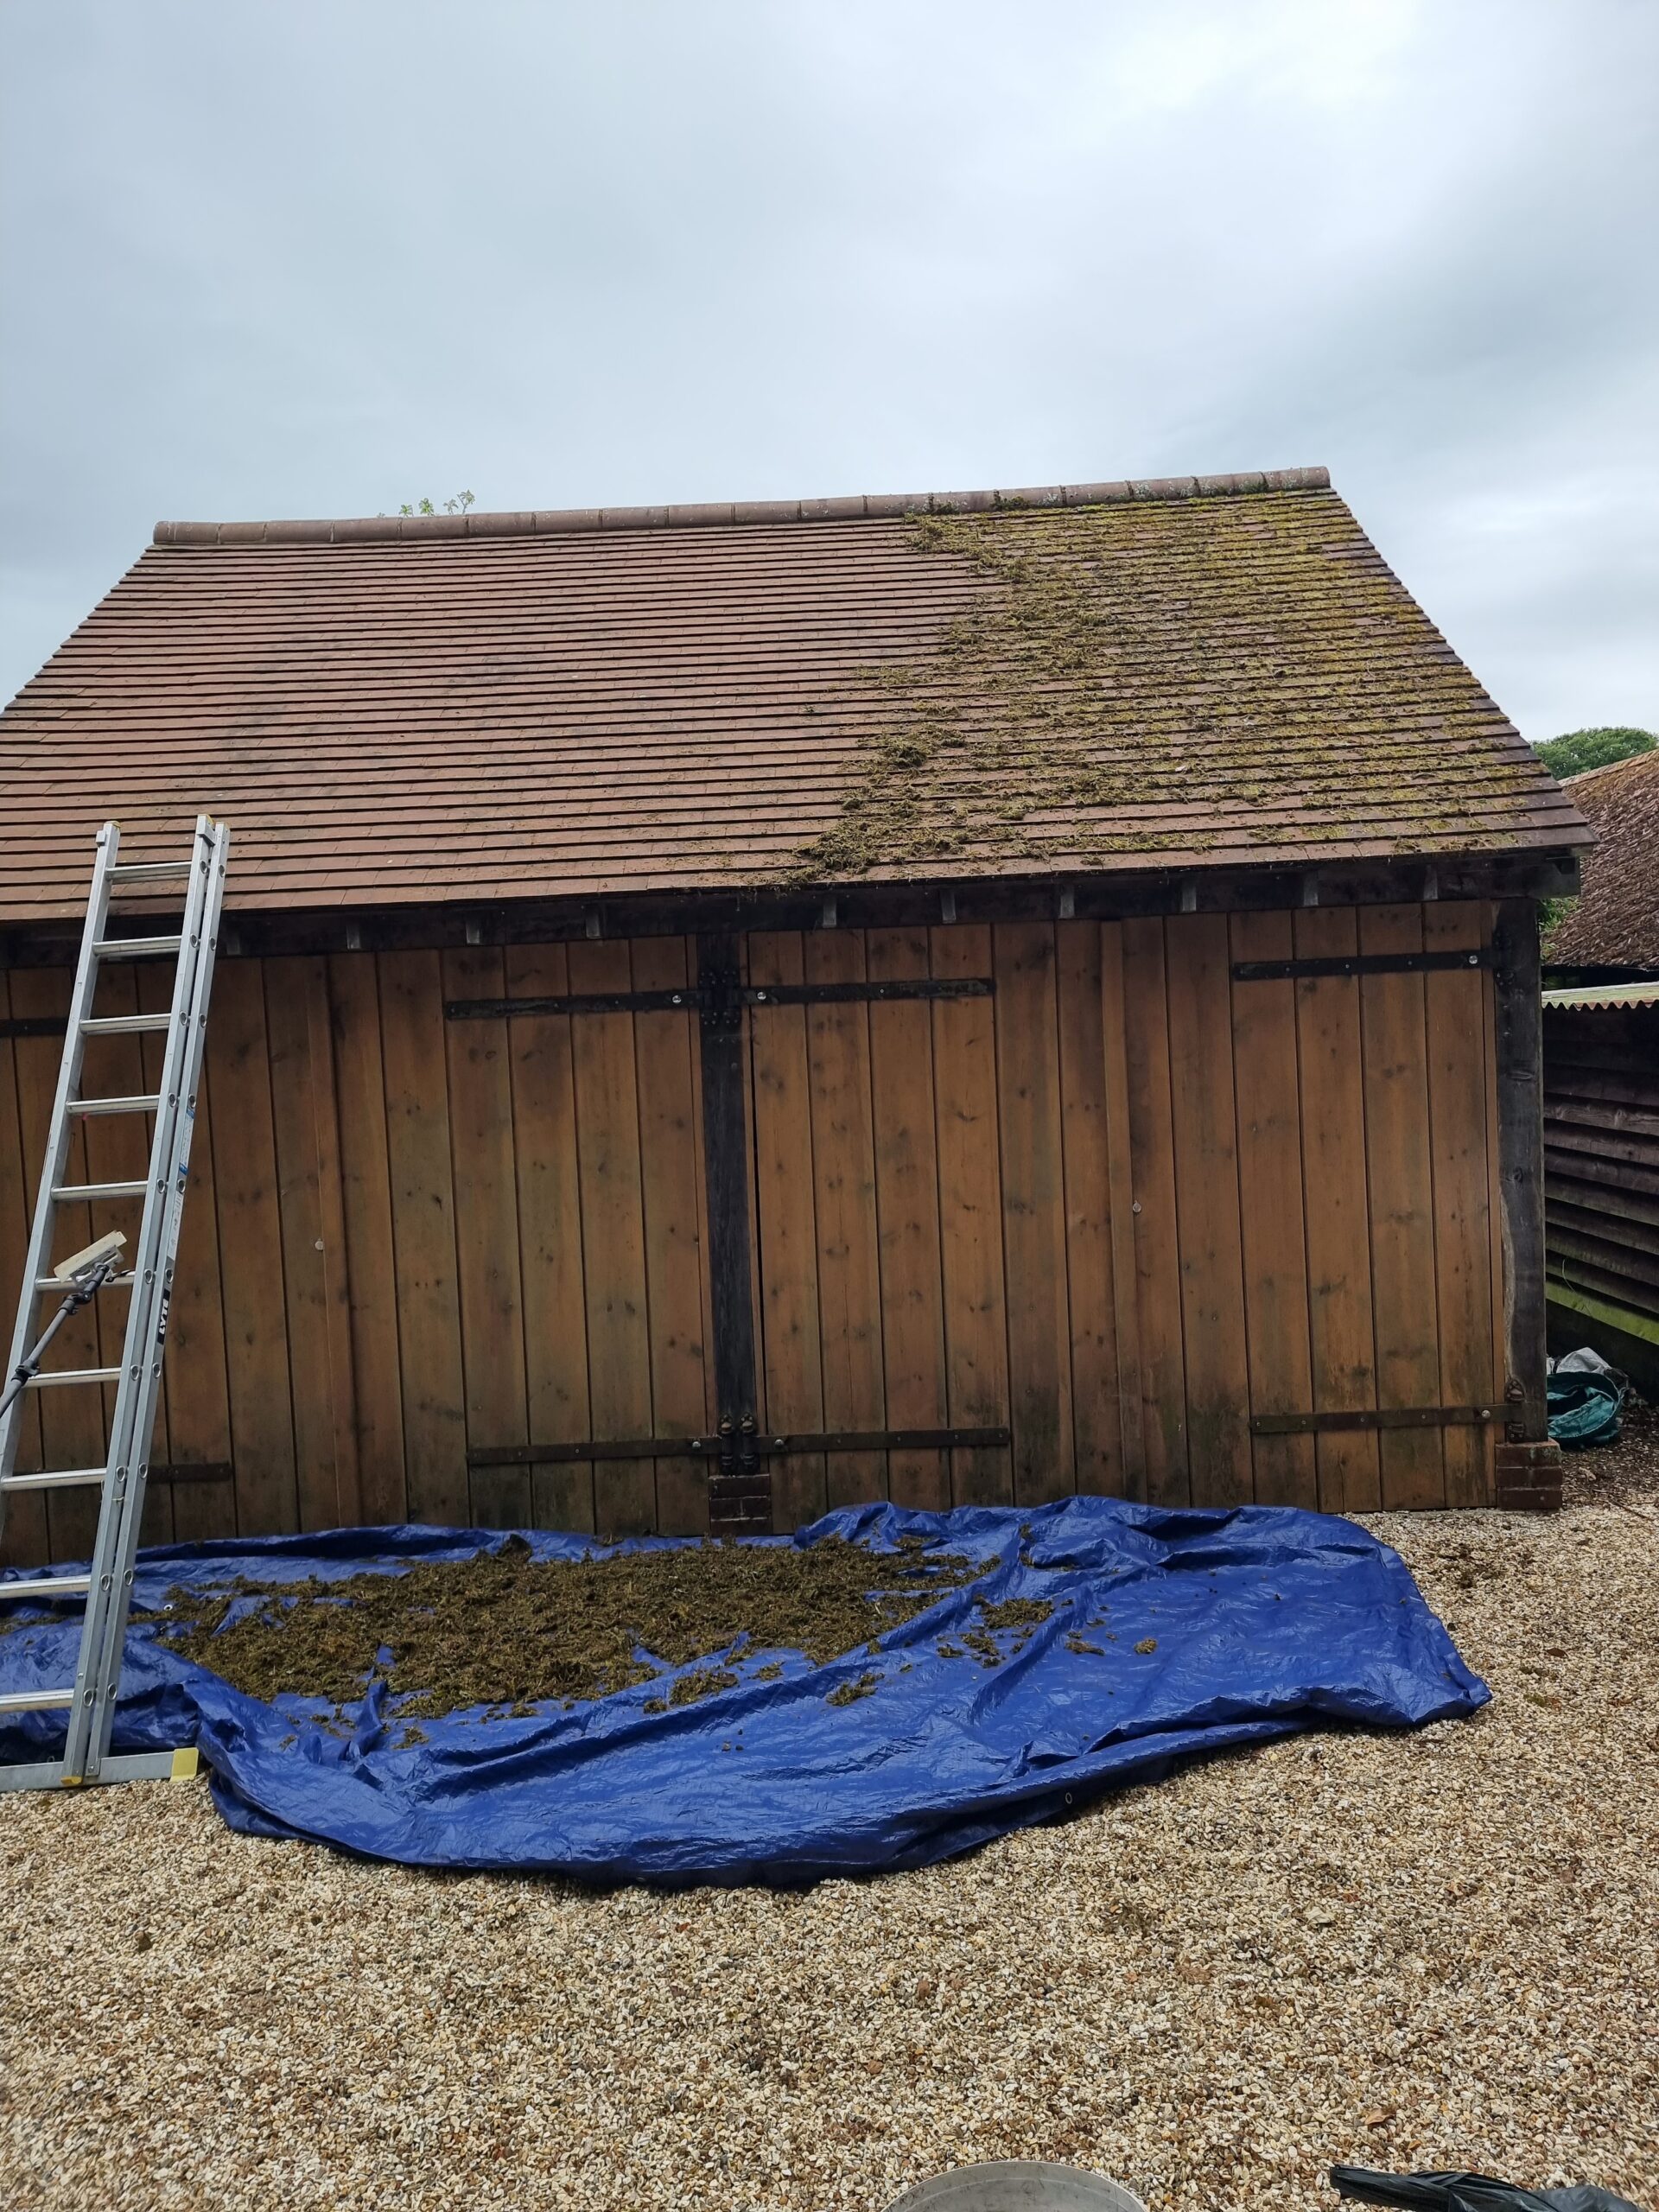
(1180, 672)
(1615, 921)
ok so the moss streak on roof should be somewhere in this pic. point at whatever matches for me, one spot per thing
(1220, 670)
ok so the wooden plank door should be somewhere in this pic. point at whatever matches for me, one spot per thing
(879, 1227)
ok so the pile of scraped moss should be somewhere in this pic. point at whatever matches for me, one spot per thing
(507, 1629)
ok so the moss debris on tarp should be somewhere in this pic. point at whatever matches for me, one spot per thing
(506, 1629)
(1119, 667)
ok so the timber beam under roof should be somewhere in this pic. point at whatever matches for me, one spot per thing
(1107, 896)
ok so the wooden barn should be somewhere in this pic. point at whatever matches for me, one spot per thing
(733, 1010)
(1601, 1082)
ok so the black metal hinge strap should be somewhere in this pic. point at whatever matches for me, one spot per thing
(918, 986)
(684, 1001)
(34, 1025)
(1374, 1417)
(760, 1445)
(712, 999)
(1361, 963)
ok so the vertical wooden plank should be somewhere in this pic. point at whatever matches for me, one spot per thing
(314, 1238)
(849, 1246)
(1494, 1199)
(1157, 1249)
(1335, 1210)
(336, 1272)
(117, 1150)
(193, 1370)
(1033, 1211)
(550, 1237)
(1121, 1213)
(792, 1360)
(671, 1165)
(365, 1197)
(486, 1239)
(424, 1233)
(1456, 1105)
(1206, 1206)
(1266, 1090)
(907, 1211)
(25, 1541)
(726, 1114)
(1096, 1415)
(612, 1235)
(1401, 1175)
(250, 1253)
(970, 1218)
(74, 1432)
(1521, 1163)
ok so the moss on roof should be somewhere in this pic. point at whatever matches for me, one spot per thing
(1165, 678)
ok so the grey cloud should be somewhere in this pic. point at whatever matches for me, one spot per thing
(314, 260)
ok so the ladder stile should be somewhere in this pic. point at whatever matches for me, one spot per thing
(122, 1511)
(107, 1585)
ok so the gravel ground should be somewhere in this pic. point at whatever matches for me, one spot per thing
(1434, 1950)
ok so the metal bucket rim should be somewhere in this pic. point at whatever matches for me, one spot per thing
(1078, 2190)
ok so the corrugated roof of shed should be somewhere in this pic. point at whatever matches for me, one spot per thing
(1184, 673)
(1602, 998)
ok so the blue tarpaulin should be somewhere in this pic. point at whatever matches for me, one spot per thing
(1210, 1629)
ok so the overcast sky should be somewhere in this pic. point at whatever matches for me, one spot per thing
(316, 258)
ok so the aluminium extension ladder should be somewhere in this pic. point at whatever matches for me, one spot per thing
(107, 1589)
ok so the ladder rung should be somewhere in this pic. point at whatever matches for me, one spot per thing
(110, 1282)
(60, 1375)
(48, 1586)
(55, 1478)
(134, 948)
(147, 871)
(124, 1025)
(35, 1701)
(70, 1193)
(146, 1104)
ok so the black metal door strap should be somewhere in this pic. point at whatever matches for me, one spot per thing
(754, 1445)
(1375, 1417)
(1362, 963)
(715, 994)
(34, 1025)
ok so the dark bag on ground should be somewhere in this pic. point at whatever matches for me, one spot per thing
(1586, 1397)
(1470, 2193)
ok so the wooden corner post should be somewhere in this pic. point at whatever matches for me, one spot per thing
(1529, 1466)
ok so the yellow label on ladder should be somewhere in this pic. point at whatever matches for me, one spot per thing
(185, 1765)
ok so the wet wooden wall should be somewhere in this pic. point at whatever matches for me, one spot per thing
(1122, 1204)
(1601, 1167)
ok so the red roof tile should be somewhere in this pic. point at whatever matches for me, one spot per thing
(1185, 672)
(1615, 921)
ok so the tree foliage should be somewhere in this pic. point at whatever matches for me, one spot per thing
(1588, 748)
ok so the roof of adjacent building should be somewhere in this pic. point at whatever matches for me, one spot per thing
(1181, 673)
(1604, 998)
(1615, 921)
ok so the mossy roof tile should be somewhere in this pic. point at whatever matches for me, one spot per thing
(1615, 921)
